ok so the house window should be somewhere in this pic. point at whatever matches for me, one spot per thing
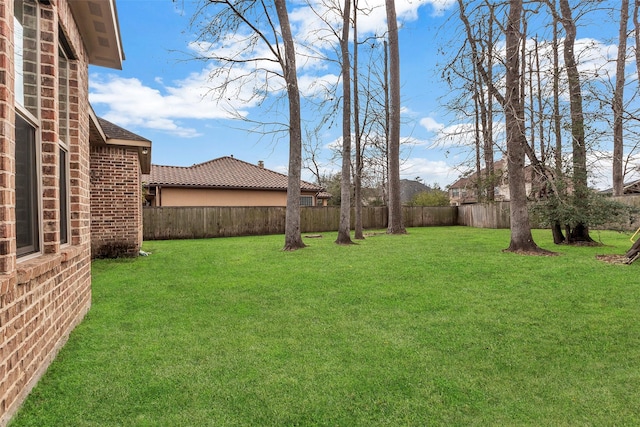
(306, 200)
(63, 97)
(64, 56)
(26, 54)
(27, 233)
(455, 192)
(26, 124)
(64, 196)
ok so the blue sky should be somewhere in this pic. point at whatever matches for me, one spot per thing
(159, 92)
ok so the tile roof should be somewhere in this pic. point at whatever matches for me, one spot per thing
(224, 172)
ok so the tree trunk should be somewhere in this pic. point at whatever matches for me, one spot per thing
(618, 99)
(293, 237)
(395, 225)
(558, 236)
(580, 232)
(357, 176)
(484, 77)
(480, 183)
(556, 232)
(344, 228)
(543, 148)
(636, 33)
(521, 238)
(633, 252)
(557, 119)
(488, 123)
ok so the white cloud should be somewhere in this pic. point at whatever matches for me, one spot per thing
(224, 93)
(600, 165)
(431, 125)
(315, 28)
(438, 171)
(130, 102)
(317, 86)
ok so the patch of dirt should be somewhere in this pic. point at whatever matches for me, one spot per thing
(540, 252)
(590, 244)
(613, 259)
(374, 234)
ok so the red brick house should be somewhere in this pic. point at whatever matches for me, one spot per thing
(225, 181)
(118, 160)
(46, 47)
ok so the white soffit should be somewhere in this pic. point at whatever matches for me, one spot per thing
(98, 24)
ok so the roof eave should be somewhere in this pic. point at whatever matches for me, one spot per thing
(98, 137)
(97, 21)
(222, 187)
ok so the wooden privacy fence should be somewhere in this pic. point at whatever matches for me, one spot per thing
(161, 223)
(201, 222)
(494, 215)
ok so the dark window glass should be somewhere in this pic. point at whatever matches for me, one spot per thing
(26, 188)
(64, 198)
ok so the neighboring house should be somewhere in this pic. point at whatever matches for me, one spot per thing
(118, 160)
(464, 190)
(45, 191)
(629, 188)
(225, 181)
(409, 189)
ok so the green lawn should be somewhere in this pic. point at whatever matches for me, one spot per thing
(436, 327)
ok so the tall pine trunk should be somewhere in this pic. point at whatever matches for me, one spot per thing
(580, 231)
(618, 102)
(293, 237)
(521, 238)
(556, 228)
(395, 225)
(357, 176)
(344, 227)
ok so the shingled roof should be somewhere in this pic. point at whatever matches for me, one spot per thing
(224, 172)
(103, 132)
(113, 131)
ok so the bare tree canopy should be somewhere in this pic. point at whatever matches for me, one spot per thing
(261, 36)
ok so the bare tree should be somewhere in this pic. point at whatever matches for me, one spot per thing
(395, 225)
(556, 226)
(580, 230)
(293, 238)
(636, 33)
(357, 175)
(481, 44)
(521, 238)
(265, 24)
(618, 102)
(344, 226)
(311, 159)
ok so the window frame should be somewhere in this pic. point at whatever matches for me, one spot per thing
(27, 109)
(34, 182)
(64, 194)
(65, 56)
(306, 197)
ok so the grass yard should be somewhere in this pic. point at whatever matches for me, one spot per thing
(436, 327)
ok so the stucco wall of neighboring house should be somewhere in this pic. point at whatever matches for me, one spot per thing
(116, 202)
(168, 196)
(43, 296)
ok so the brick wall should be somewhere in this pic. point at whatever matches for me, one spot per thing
(45, 295)
(7, 149)
(116, 202)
